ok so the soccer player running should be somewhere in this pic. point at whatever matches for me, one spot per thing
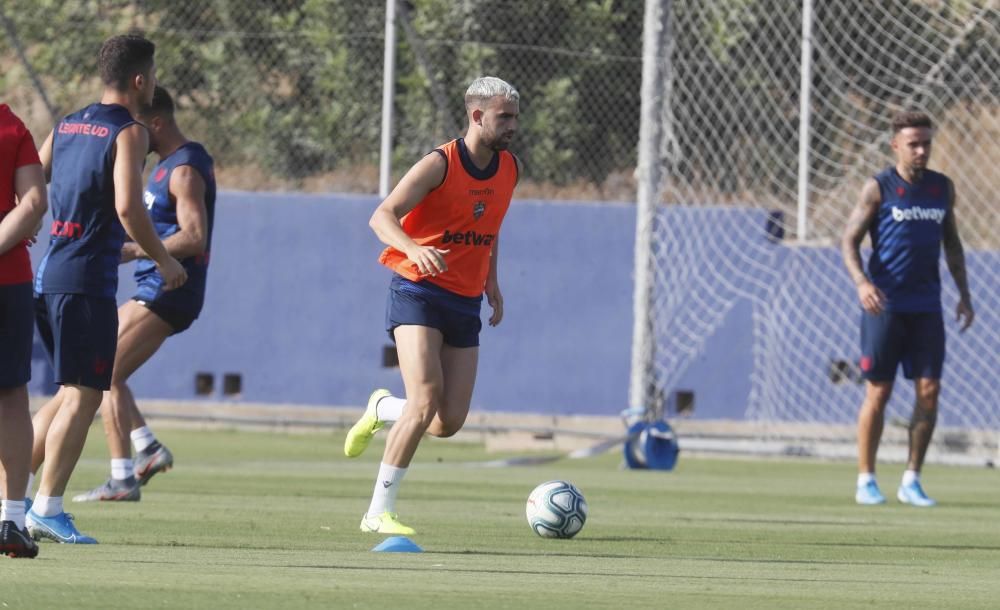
(93, 159)
(909, 212)
(22, 205)
(441, 225)
(180, 195)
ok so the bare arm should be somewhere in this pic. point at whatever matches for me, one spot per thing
(954, 256)
(22, 222)
(858, 223)
(493, 295)
(45, 155)
(188, 189)
(422, 178)
(131, 147)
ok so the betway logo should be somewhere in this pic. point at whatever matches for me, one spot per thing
(918, 213)
(470, 238)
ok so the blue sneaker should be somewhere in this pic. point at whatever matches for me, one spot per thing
(59, 528)
(869, 494)
(913, 494)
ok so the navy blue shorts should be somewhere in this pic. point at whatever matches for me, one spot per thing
(913, 339)
(80, 335)
(17, 333)
(424, 304)
(179, 319)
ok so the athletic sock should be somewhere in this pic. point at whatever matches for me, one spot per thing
(122, 469)
(47, 506)
(910, 477)
(142, 438)
(386, 489)
(13, 510)
(389, 408)
(865, 478)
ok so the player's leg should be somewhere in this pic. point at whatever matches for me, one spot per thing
(880, 349)
(157, 322)
(459, 365)
(923, 420)
(63, 445)
(140, 334)
(923, 362)
(403, 308)
(871, 421)
(16, 338)
(84, 337)
(15, 442)
(15, 459)
(43, 417)
(419, 349)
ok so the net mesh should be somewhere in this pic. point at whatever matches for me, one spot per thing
(287, 94)
(734, 102)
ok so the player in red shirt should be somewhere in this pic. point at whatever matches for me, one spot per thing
(23, 202)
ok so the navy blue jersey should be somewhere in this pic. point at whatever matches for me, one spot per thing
(86, 237)
(163, 210)
(906, 240)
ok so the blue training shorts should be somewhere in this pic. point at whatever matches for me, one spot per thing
(17, 333)
(425, 304)
(80, 335)
(179, 319)
(913, 339)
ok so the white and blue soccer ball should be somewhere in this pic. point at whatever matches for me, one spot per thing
(556, 509)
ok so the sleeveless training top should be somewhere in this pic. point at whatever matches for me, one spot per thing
(86, 237)
(462, 215)
(906, 240)
(163, 211)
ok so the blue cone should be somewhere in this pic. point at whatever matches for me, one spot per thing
(398, 544)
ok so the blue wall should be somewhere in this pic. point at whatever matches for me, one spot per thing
(296, 306)
(296, 303)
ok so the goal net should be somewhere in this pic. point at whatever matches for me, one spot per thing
(730, 230)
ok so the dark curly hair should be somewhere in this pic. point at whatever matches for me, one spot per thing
(122, 57)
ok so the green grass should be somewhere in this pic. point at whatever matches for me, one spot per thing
(271, 521)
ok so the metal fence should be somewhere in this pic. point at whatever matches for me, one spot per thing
(286, 94)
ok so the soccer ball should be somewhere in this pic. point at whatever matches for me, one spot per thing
(556, 509)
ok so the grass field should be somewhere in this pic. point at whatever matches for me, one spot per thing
(271, 521)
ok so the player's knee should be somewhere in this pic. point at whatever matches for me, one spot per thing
(927, 401)
(422, 408)
(448, 427)
(927, 395)
(877, 395)
(448, 422)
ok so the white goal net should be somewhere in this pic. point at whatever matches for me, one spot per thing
(733, 226)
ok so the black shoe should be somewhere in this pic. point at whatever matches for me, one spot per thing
(16, 542)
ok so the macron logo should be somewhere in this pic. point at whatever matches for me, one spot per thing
(918, 213)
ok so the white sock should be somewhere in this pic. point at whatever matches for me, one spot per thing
(47, 506)
(865, 478)
(389, 408)
(910, 477)
(142, 437)
(121, 469)
(31, 483)
(386, 489)
(12, 510)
